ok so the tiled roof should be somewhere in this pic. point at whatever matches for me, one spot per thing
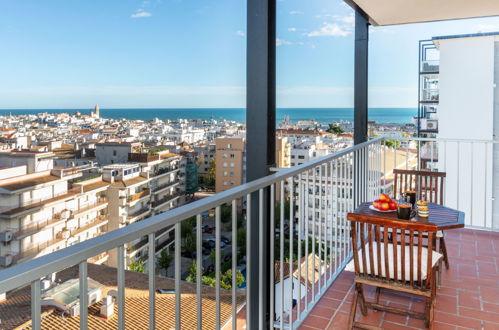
(15, 312)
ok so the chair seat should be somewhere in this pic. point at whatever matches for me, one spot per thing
(424, 257)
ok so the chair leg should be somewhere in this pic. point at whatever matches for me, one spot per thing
(378, 293)
(443, 248)
(440, 265)
(353, 310)
(362, 300)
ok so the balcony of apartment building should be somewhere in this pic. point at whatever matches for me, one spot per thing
(430, 67)
(96, 205)
(165, 185)
(31, 204)
(138, 213)
(293, 279)
(430, 95)
(138, 196)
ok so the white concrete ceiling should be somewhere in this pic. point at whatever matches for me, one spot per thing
(392, 12)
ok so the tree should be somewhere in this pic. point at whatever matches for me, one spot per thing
(213, 256)
(392, 143)
(138, 266)
(226, 279)
(165, 260)
(193, 272)
(189, 245)
(187, 227)
(335, 129)
(212, 170)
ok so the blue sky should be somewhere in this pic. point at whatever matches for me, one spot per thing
(191, 53)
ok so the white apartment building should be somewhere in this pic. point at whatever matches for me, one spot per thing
(468, 107)
(152, 184)
(42, 211)
(307, 150)
(190, 135)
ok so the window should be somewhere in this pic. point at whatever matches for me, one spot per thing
(114, 152)
(301, 157)
(231, 164)
(225, 173)
(225, 156)
(232, 155)
(231, 173)
(229, 145)
(127, 172)
(225, 164)
(293, 156)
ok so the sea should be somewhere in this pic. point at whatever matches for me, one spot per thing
(321, 115)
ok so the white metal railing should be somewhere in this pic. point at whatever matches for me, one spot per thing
(322, 239)
(471, 182)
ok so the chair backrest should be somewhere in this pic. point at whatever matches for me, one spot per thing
(429, 185)
(403, 260)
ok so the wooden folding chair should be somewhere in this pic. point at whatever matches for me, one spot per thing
(403, 265)
(429, 186)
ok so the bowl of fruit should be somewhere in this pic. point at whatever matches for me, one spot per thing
(384, 204)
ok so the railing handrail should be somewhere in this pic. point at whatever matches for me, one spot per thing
(24, 273)
(441, 140)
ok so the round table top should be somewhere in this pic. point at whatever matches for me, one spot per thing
(442, 217)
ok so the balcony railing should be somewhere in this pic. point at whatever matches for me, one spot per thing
(165, 199)
(139, 195)
(165, 185)
(309, 243)
(431, 66)
(40, 202)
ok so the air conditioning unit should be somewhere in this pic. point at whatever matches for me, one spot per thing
(94, 297)
(6, 260)
(45, 285)
(431, 125)
(74, 310)
(6, 236)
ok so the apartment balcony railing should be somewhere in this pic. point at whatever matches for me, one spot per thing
(316, 259)
(32, 251)
(139, 213)
(165, 185)
(431, 66)
(99, 202)
(139, 195)
(430, 95)
(99, 221)
(165, 199)
(39, 202)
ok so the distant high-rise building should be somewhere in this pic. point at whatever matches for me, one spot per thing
(97, 111)
(230, 162)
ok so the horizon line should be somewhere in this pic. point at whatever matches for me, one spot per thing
(198, 108)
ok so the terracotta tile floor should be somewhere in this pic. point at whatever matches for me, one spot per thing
(467, 299)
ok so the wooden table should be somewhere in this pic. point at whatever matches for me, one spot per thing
(444, 218)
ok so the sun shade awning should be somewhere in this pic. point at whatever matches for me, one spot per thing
(393, 12)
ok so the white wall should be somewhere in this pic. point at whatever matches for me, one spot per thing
(466, 111)
(466, 88)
